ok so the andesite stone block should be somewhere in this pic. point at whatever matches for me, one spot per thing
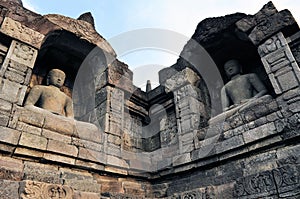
(94, 156)
(20, 151)
(51, 135)
(9, 189)
(33, 141)
(62, 148)
(41, 173)
(259, 132)
(9, 136)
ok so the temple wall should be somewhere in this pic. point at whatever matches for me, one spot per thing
(161, 144)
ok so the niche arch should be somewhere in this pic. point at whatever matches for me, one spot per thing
(65, 51)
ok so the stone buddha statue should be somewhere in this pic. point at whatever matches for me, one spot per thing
(50, 97)
(241, 90)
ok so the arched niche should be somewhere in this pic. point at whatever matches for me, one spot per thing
(64, 50)
(223, 45)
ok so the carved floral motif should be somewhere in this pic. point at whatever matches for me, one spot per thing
(267, 182)
(38, 190)
(22, 53)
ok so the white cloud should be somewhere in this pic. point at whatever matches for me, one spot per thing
(184, 16)
(29, 5)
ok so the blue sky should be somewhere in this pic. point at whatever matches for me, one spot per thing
(117, 17)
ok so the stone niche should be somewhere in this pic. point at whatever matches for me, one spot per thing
(170, 142)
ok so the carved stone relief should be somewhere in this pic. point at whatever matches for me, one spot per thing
(38, 190)
(20, 53)
(268, 182)
(16, 30)
(280, 63)
(116, 111)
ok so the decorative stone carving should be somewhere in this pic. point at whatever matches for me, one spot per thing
(191, 195)
(116, 111)
(168, 129)
(270, 25)
(280, 63)
(20, 53)
(16, 30)
(249, 22)
(180, 79)
(38, 190)
(268, 182)
(274, 43)
(262, 183)
(201, 193)
(82, 29)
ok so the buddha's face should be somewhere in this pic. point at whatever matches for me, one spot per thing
(232, 68)
(56, 78)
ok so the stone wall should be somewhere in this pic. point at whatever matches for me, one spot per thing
(166, 143)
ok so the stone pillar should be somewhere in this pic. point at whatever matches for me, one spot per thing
(16, 71)
(279, 63)
(190, 110)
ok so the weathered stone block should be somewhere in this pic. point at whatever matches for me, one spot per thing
(85, 195)
(11, 91)
(59, 158)
(115, 161)
(89, 165)
(5, 148)
(180, 79)
(288, 81)
(112, 187)
(272, 44)
(4, 119)
(16, 30)
(8, 189)
(289, 155)
(21, 126)
(88, 131)
(140, 164)
(14, 77)
(82, 185)
(56, 136)
(260, 162)
(9, 136)
(164, 163)
(181, 159)
(87, 144)
(41, 173)
(91, 155)
(116, 170)
(33, 141)
(5, 106)
(114, 139)
(259, 132)
(229, 144)
(275, 23)
(62, 148)
(28, 152)
(247, 23)
(10, 169)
